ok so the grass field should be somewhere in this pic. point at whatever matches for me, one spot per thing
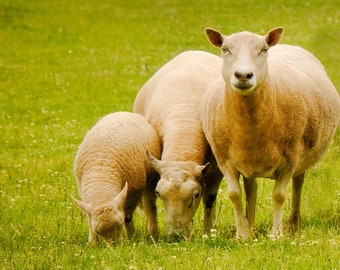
(64, 64)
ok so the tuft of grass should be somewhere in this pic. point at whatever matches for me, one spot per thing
(65, 64)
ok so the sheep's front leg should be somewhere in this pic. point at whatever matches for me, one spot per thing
(294, 217)
(150, 210)
(250, 188)
(209, 201)
(93, 237)
(235, 195)
(278, 196)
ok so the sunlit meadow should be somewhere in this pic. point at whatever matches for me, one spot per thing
(65, 64)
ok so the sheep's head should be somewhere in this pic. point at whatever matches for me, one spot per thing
(180, 189)
(244, 57)
(106, 220)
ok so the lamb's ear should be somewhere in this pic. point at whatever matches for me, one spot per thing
(82, 205)
(214, 36)
(201, 170)
(274, 36)
(154, 162)
(119, 201)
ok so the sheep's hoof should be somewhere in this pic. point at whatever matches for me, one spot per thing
(276, 235)
(293, 225)
(243, 235)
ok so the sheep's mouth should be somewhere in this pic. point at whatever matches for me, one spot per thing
(242, 84)
(243, 87)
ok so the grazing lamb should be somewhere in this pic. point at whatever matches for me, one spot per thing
(170, 101)
(114, 153)
(272, 116)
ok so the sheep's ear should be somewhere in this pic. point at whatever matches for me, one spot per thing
(214, 36)
(154, 162)
(274, 36)
(119, 201)
(82, 205)
(201, 170)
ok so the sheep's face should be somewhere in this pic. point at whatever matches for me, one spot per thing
(107, 222)
(180, 191)
(107, 219)
(244, 58)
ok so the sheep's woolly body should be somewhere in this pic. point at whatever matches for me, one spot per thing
(170, 101)
(296, 110)
(279, 130)
(112, 153)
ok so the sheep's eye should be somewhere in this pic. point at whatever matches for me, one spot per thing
(226, 50)
(196, 195)
(264, 50)
(157, 194)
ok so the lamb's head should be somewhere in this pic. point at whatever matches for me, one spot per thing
(180, 189)
(244, 57)
(107, 219)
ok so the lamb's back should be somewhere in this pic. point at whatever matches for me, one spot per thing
(113, 152)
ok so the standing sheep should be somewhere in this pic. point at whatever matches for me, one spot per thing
(114, 153)
(170, 101)
(273, 115)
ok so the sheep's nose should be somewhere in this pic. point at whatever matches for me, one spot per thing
(242, 75)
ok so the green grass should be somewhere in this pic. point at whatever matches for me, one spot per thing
(64, 64)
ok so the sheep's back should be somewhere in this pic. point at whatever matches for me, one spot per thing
(167, 82)
(297, 73)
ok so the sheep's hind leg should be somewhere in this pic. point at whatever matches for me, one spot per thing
(295, 217)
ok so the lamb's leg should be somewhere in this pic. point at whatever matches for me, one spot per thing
(250, 188)
(134, 198)
(129, 225)
(212, 183)
(279, 196)
(295, 218)
(150, 210)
